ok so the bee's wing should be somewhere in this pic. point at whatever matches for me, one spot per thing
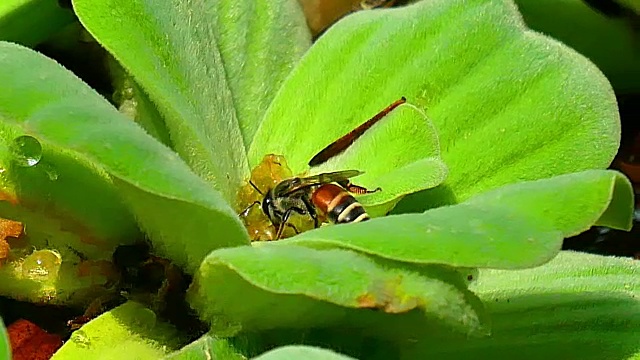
(323, 178)
(335, 176)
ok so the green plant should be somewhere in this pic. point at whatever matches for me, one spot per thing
(609, 41)
(29, 22)
(5, 348)
(498, 157)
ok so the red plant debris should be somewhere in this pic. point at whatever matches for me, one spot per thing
(30, 342)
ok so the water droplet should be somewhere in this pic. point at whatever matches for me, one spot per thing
(80, 338)
(27, 150)
(42, 265)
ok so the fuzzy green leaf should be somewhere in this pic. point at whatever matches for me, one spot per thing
(130, 330)
(633, 5)
(401, 155)
(184, 217)
(301, 352)
(402, 165)
(611, 43)
(132, 101)
(515, 226)
(30, 22)
(571, 203)
(170, 49)
(61, 199)
(147, 115)
(54, 274)
(331, 287)
(508, 103)
(5, 346)
(577, 306)
(260, 42)
(207, 347)
(59, 195)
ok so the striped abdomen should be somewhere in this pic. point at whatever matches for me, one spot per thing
(338, 204)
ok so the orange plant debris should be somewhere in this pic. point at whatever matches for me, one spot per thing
(8, 228)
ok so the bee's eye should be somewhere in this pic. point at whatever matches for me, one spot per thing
(266, 204)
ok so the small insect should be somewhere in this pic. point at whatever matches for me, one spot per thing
(345, 141)
(305, 195)
(267, 174)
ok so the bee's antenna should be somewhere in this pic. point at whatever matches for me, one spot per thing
(255, 187)
(245, 212)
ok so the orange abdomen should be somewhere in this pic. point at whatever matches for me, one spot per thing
(338, 204)
(327, 196)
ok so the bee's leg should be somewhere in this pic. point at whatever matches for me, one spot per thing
(285, 220)
(293, 227)
(311, 210)
(356, 189)
(245, 212)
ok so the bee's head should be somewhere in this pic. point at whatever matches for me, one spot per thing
(268, 206)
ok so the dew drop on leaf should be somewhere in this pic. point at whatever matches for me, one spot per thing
(27, 150)
(42, 265)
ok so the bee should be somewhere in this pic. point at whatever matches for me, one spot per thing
(267, 174)
(306, 195)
